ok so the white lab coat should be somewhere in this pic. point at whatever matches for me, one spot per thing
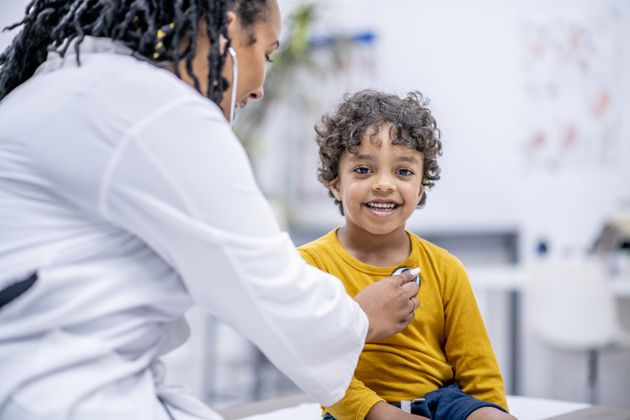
(129, 194)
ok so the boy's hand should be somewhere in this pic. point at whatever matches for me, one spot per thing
(384, 411)
(389, 304)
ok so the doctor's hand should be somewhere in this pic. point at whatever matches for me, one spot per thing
(389, 304)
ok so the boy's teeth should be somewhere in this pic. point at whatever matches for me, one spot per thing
(382, 205)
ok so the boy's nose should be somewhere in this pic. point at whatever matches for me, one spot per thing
(384, 183)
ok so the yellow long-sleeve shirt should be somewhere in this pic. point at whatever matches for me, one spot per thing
(446, 341)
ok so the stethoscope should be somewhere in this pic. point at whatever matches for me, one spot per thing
(234, 83)
(404, 268)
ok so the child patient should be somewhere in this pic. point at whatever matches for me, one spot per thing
(377, 155)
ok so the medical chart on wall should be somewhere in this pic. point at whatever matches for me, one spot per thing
(572, 82)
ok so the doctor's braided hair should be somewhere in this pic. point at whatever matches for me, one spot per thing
(364, 113)
(162, 31)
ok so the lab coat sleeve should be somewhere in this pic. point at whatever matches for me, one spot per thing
(359, 399)
(182, 183)
(179, 180)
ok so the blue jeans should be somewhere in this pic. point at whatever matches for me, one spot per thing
(447, 403)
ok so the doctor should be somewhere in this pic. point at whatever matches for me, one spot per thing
(125, 198)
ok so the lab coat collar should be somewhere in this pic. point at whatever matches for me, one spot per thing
(89, 45)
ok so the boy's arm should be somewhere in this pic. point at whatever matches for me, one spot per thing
(360, 402)
(357, 402)
(468, 346)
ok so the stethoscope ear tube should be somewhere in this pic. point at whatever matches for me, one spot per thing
(233, 84)
(404, 268)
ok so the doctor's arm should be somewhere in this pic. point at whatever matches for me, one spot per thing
(187, 190)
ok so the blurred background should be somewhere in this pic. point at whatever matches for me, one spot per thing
(533, 102)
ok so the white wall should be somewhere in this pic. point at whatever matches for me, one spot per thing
(470, 58)
(467, 57)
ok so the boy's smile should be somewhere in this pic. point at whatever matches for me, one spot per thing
(379, 185)
(382, 208)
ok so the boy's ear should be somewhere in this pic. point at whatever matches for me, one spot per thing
(333, 186)
(420, 193)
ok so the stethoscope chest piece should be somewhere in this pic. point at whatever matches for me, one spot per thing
(402, 269)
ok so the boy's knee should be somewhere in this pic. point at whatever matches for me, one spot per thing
(490, 413)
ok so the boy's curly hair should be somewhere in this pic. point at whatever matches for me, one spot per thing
(412, 125)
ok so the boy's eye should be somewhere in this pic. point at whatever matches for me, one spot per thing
(362, 170)
(405, 172)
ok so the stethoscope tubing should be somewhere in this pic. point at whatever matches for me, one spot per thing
(233, 84)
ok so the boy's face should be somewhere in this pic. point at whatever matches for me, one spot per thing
(379, 186)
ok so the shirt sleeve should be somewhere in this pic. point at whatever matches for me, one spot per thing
(468, 346)
(181, 182)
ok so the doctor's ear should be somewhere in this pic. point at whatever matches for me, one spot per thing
(231, 19)
(233, 27)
